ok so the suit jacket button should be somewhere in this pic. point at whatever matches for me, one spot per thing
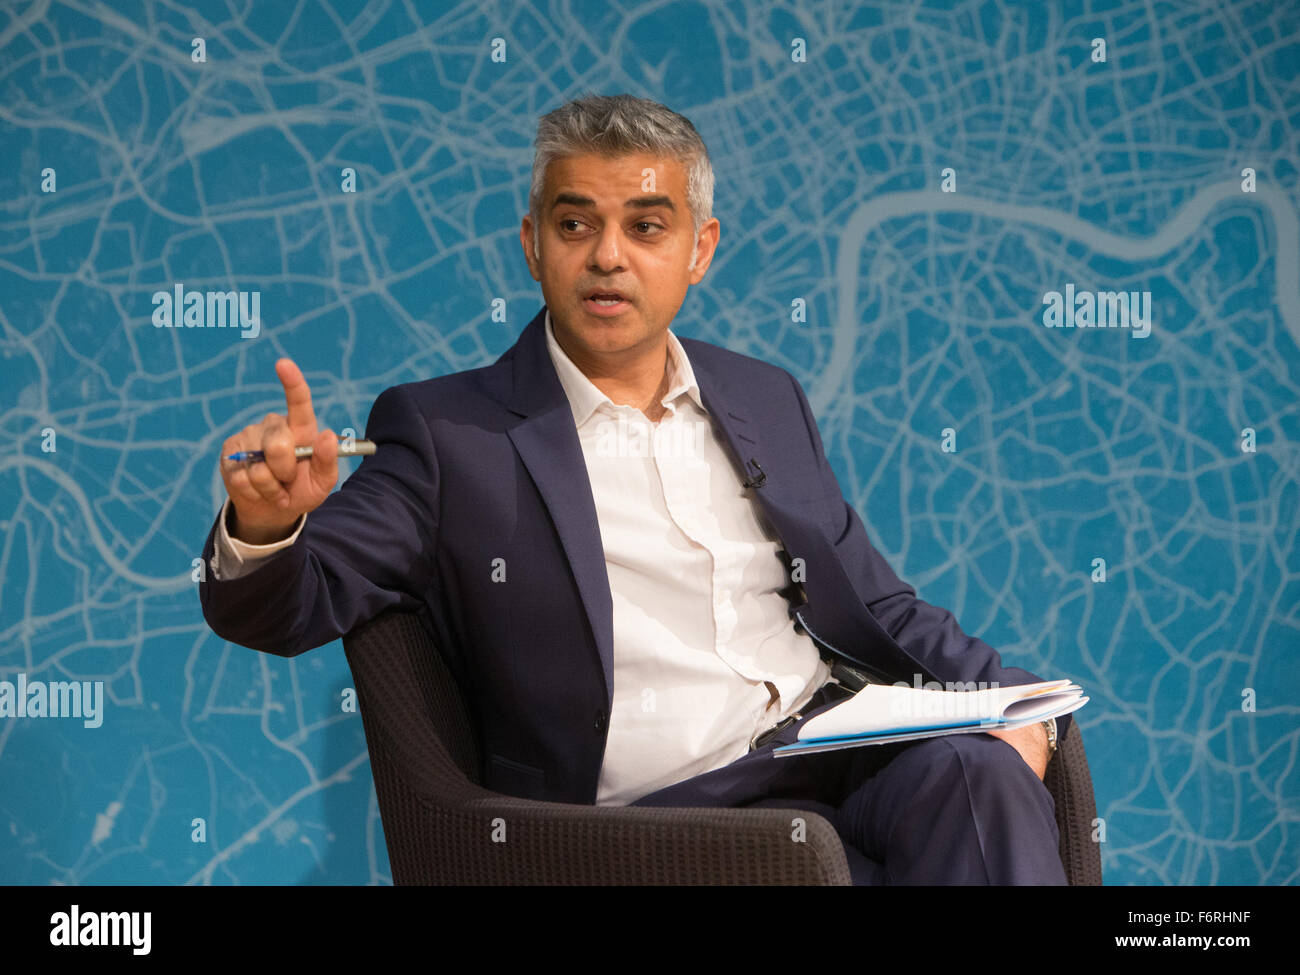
(600, 720)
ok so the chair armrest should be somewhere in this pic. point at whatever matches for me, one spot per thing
(478, 837)
(1069, 781)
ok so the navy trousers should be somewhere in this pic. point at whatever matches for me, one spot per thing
(959, 809)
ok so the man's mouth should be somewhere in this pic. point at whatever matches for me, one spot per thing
(606, 303)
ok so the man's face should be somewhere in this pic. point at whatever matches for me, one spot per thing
(607, 225)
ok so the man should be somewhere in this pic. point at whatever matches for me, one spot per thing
(649, 632)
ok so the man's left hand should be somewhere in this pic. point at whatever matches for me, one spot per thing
(1031, 742)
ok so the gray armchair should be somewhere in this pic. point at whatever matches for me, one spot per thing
(438, 820)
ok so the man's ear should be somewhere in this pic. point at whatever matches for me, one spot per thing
(526, 239)
(706, 243)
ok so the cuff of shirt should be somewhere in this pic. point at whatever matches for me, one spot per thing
(232, 558)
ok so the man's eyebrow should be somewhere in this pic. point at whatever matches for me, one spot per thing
(636, 203)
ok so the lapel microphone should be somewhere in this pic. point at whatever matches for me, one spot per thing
(757, 481)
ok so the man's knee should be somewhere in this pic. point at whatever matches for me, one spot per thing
(974, 752)
(994, 770)
(969, 801)
(987, 766)
(986, 751)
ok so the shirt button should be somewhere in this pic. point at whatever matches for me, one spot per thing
(600, 720)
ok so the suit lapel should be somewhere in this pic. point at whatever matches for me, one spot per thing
(834, 611)
(548, 445)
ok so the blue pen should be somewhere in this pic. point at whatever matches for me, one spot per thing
(358, 448)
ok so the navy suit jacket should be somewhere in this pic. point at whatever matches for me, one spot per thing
(477, 511)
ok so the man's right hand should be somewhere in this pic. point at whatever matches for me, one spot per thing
(269, 496)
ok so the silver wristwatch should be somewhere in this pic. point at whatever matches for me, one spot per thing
(1050, 725)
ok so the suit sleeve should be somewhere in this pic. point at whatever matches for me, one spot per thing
(232, 557)
(929, 633)
(369, 547)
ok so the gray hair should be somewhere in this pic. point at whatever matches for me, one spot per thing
(614, 125)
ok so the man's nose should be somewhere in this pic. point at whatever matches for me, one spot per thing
(607, 251)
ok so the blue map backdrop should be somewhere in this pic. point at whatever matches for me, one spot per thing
(1162, 164)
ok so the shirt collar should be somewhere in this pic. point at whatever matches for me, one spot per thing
(585, 398)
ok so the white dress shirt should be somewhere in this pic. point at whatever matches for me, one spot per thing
(705, 653)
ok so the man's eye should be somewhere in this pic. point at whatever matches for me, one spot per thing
(651, 228)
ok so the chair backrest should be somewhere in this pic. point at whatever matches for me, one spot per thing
(409, 699)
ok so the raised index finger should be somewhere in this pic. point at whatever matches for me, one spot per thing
(297, 395)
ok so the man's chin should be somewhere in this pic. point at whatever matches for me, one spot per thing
(593, 325)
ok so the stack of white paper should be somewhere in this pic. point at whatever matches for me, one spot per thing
(881, 713)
